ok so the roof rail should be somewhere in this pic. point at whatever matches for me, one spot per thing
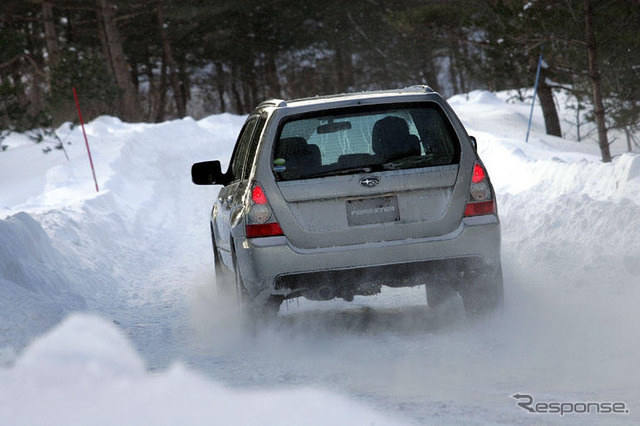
(420, 88)
(273, 102)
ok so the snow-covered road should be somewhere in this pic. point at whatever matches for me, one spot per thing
(137, 255)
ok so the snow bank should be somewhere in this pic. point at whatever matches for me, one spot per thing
(64, 247)
(34, 290)
(567, 217)
(85, 372)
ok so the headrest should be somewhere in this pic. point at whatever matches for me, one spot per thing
(387, 132)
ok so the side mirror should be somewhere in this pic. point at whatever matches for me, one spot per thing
(208, 173)
(474, 143)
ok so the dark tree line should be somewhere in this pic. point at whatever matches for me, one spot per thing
(591, 48)
(152, 60)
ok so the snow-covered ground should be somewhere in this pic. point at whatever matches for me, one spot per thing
(108, 312)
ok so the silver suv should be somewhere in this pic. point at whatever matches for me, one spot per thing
(336, 196)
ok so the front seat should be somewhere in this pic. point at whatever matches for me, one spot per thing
(301, 159)
(391, 139)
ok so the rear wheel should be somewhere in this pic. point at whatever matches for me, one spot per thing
(438, 292)
(252, 314)
(484, 294)
(224, 281)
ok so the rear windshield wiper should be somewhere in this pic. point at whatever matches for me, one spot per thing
(347, 171)
(403, 162)
(422, 161)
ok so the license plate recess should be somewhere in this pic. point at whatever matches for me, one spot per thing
(366, 211)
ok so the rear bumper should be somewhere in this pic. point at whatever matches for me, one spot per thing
(271, 266)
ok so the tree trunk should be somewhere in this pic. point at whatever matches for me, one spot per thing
(104, 43)
(35, 68)
(271, 70)
(249, 86)
(551, 120)
(135, 75)
(341, 85)
(162, 93)
(461, 69)
(36, 93)
(51, 40)
(627, 134)
(169, 60)
(153, 89)
(545, 94)
(118, 62)
(594, 74)
(183, 79)
(235, 78)
(453, 65)
(344, 69)
(220, 80)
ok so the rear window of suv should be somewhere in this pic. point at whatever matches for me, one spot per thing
(360, 140)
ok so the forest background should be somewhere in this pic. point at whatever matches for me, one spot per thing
(154, 60)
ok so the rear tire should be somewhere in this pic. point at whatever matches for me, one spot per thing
(224, 281)
(438, 293)
(484, 295)
(253, 315)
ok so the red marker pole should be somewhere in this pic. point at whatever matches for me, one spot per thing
(86, 142)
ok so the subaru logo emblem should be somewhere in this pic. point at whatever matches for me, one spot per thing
(369, 182)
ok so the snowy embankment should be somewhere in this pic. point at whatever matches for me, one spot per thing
(563, 210)
(95, 243)
(86, 373)
(571, 256)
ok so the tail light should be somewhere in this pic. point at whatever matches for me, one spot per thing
(260, 221)
(481, 200)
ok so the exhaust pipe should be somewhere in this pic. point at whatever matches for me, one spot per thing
(325, 293)
(347, 296)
